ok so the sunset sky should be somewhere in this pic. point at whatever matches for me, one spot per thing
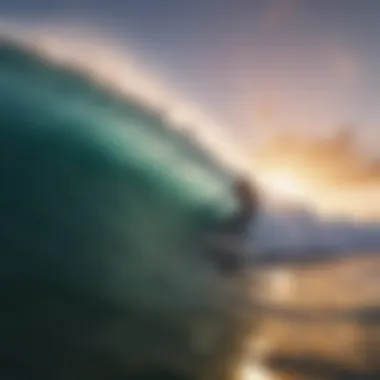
(255, 65)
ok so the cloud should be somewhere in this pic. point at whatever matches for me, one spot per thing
(337, 175)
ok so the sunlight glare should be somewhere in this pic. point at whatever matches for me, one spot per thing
(283, 185)
(255, 372)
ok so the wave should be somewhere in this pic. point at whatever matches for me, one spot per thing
(296, 232)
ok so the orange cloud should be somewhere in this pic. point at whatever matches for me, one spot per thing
(334, 174)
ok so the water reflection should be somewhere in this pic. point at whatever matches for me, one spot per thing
(304, 349)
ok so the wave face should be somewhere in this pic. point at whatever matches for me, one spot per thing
(103, 206)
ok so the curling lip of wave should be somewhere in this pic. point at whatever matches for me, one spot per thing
(110, 63)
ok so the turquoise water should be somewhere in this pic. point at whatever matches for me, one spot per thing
(90, 175)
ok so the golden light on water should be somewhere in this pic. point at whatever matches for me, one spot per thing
(256, 372)
(253, 369)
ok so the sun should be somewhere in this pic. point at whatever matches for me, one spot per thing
(283, 185)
